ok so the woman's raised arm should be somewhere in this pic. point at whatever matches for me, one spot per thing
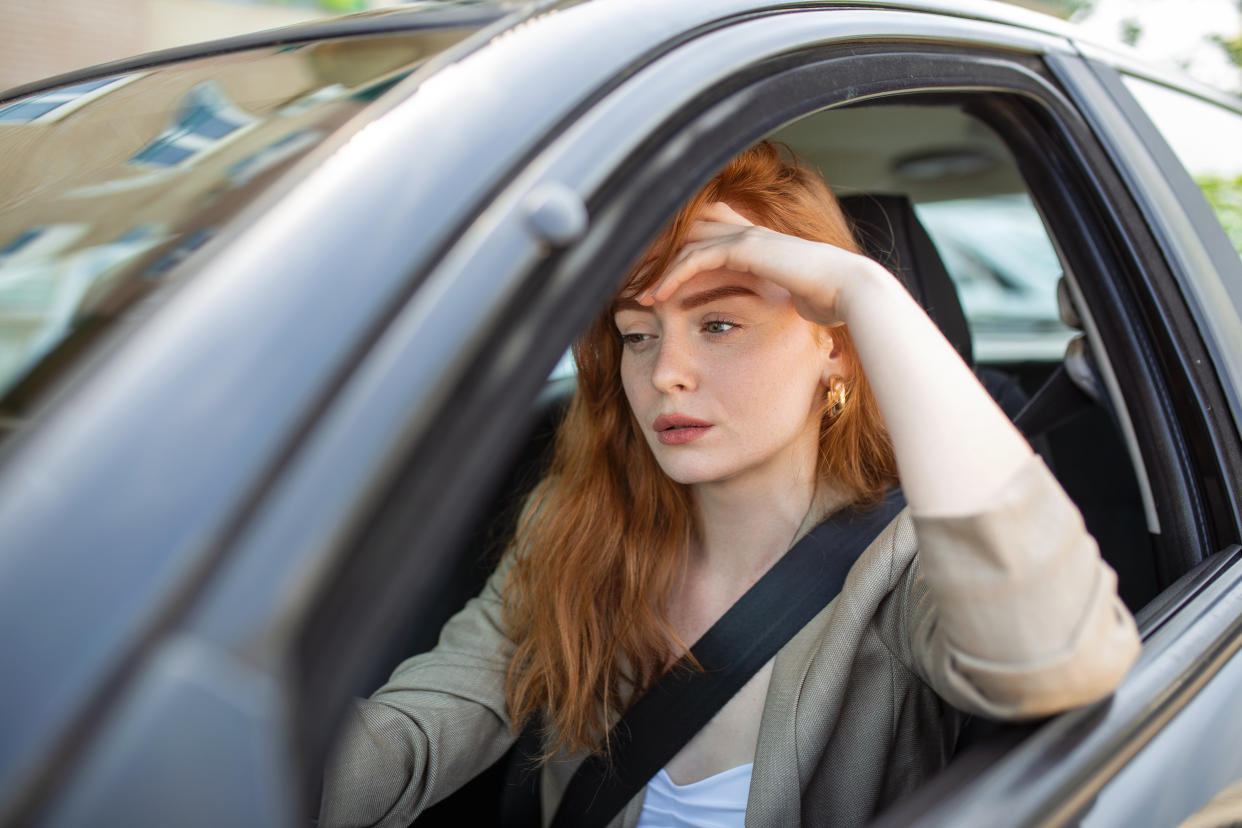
(955, 448)
(1012, 613)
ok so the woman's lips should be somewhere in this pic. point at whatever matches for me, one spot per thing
(676, 429)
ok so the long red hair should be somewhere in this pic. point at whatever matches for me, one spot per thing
(604, 537)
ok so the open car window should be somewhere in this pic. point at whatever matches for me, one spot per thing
(1003, 265)
(1049, 208)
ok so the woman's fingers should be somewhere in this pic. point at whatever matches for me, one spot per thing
(694, 258)
(723, 239)
(701, 230)
(716, 219)
(749, 249)
(722, 212)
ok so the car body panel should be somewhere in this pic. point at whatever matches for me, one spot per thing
(1057, 773)
(274, 277)
(363, 316)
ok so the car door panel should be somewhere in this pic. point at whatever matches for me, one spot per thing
(358, 508)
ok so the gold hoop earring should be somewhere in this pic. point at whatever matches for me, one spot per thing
(836, 397)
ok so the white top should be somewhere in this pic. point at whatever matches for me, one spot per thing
(713, 802)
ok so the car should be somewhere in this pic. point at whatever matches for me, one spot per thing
(278, 315)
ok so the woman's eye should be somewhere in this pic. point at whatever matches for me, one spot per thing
(634, 338)
(718, 326)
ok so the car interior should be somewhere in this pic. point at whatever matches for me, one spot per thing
(944, 207)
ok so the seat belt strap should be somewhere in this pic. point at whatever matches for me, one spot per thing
(1057, 401)
(745, 638)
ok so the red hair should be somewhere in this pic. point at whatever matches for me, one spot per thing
(605, 535)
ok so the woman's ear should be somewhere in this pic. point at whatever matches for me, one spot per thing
(835, 364)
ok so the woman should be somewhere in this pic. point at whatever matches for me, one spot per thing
(729, 400)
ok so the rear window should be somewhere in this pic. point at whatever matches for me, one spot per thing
(998, 253)
(108, 185)
(1206, 138)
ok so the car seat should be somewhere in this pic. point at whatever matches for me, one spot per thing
(1067, 411)
(888, 231)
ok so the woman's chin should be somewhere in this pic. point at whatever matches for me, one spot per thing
(696, 474)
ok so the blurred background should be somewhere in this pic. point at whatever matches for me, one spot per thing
(39, 38)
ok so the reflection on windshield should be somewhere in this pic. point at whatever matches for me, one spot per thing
(107, 185)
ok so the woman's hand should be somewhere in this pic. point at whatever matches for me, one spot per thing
(955, 448)
(819, 276)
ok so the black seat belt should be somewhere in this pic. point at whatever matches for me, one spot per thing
(745, 638)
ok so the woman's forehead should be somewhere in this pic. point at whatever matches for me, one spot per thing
(712, 286)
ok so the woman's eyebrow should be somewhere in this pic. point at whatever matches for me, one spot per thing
(692, 301)
(722, 292)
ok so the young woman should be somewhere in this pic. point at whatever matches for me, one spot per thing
(753, 376)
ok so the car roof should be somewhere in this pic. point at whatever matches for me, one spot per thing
(498, 15)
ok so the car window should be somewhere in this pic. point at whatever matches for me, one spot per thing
(994, 239)
(969, 197)
(997, 252)
(107, 185)
(968, 194)
(1206, 137)
(995, 246)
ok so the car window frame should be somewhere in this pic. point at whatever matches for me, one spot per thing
(1204, 292)
(398, 504)
(575, 258)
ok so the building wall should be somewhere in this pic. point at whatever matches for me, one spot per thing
(176, 22)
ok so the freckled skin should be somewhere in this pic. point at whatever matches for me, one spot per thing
(756, 370)
(752, 473)
(748, 364)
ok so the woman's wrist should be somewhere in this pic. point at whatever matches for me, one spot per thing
(867, 286)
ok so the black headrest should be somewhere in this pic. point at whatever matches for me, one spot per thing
(889, 232)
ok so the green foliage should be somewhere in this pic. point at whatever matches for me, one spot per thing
(1225, 196)
(1232, 46)
(1073, 8)
(1131, 31)
(342, 5)
(339, 6)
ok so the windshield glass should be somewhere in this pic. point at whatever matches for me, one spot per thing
(108, 185)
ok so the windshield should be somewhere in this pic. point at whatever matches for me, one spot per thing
(108, 185)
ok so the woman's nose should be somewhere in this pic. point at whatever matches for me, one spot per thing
(674, 368)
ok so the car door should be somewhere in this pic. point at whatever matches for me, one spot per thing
(671, 124)
(1129, 761)
(625, 164)
(345, 550)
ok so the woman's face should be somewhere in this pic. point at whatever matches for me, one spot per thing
(725, 378)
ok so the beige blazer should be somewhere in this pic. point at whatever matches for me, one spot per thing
(1009, 613)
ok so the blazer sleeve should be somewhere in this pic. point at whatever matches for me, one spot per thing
(438, 721)
(1011, 612)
